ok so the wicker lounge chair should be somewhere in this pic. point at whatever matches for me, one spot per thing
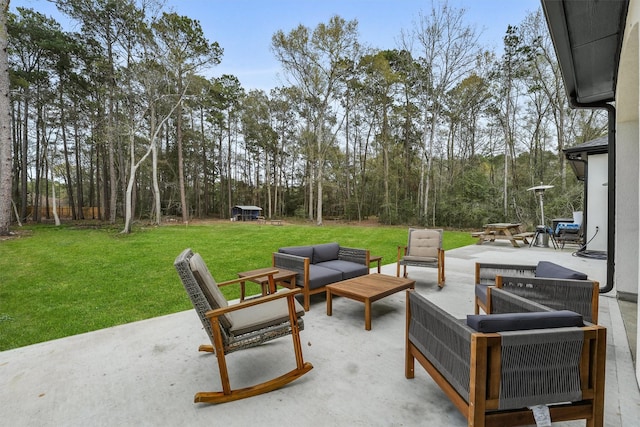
(493, 377)
(486, 273)
(424, 249)
(581, 296)
(240, 326)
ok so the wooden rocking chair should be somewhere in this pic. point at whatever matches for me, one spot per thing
(240, 326)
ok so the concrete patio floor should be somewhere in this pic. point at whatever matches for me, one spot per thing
(146, 373)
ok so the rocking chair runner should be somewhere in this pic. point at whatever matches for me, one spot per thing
(424, 249)
(240, 326)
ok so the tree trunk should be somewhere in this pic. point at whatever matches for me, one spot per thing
(67, 166)
(53, 187)
(78, 160)
(23, 158)
(183, 196)
(320, 172)
(5, 125)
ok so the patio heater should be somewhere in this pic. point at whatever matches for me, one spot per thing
(541, 238)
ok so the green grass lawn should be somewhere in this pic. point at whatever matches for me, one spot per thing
(61, 281)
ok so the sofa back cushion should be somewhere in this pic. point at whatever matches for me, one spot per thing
(325, 252)
(303, 251)
(555, 271)
(524, 321)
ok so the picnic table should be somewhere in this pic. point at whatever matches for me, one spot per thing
(503, 231)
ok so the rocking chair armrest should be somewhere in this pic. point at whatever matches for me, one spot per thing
(285, 293)
(245, 278)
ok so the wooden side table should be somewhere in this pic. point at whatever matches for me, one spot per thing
(286, 278)
(376, 258)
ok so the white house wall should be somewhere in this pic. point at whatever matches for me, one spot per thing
(596, 230)
(628, 161)
(627, 205)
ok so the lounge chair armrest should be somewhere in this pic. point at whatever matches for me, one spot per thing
(580, 296)
(285, 293)
(486, 272)
(289, 262)
(502, 301)
(295, 263)
(443, 339)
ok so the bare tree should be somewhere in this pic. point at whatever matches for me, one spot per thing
(448, 51)
(5, 125)
(315, 63)
(186, 50)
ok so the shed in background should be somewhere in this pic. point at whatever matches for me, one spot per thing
(245, 213)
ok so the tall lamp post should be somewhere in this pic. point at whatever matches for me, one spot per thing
(542, 228)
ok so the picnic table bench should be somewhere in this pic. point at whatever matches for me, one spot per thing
(502, 231)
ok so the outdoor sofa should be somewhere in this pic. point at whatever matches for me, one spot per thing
(496, 367)
(320, 265)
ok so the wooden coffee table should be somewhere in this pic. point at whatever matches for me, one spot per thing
(367, 289)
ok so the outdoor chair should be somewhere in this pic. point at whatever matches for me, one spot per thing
(494, 368)
(240, 326)
(486, 273)
(571, 232)
(423, 249)
(580, 296)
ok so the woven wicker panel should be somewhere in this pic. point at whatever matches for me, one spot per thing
(488, 272)
(506, 302)
(540, 367)
(255, 338)
(444, 340)
(291, 263)
(412, 263)
(352, 254)
(559, 294)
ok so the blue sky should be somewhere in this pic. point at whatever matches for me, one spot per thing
(244, 27)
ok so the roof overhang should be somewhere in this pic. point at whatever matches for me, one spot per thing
(578, 156)
(587, 35)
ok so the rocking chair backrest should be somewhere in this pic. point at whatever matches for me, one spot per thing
(202, 289)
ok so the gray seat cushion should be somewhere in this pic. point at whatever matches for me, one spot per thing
(524, 321)
(320, 276)
(555, 271)
(261, 316)
(348, 269)
(425, 259)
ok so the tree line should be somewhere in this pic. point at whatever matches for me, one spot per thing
(118, 122)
